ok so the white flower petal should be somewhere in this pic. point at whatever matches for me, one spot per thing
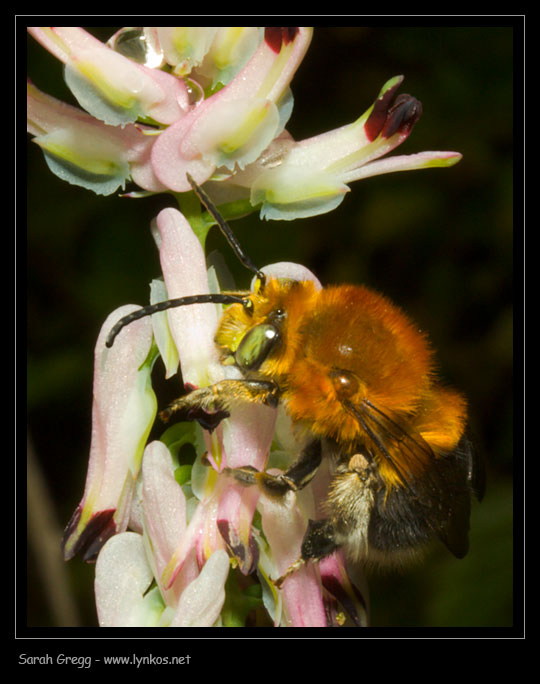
(162, 333)
(164, 503)
(123, 411)
(406, 162)
(193, 326)
(289, 270)
(122, 577)
(202, 601)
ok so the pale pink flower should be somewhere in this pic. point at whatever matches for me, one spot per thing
(178, 543)
(219, 115)
(212, 102)
(123, 410)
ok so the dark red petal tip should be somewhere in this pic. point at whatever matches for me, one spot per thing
(391, 114)
(402, 115)
(277, 36)
(377, 118)
(247, 557)
(100, 528)
(335, 588)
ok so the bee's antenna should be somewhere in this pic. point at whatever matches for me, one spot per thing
(198, 299)
(172, 303)
(225, 229)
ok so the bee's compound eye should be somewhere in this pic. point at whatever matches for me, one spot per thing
(255, 346)
(345, 383)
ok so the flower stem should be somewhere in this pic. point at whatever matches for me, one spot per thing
(201, 222)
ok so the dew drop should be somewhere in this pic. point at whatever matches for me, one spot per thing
(131, 42)
(194, 90)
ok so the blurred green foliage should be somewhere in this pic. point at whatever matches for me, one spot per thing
(438, 242)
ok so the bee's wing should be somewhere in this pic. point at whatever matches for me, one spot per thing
(396, 444)
(434, 487)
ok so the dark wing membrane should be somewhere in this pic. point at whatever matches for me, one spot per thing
(431, 489)
(396, 443)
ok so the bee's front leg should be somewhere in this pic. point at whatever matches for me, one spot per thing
(210, 405)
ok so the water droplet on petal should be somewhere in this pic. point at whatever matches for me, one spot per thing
(275, 153)
(195, 91)
(131, 42)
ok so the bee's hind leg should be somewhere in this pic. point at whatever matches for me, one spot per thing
(319, 542)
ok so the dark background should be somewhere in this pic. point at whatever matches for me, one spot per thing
(438, 242)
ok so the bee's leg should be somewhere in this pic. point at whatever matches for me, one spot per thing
(319, 541)
(210, 405)
(296, 477)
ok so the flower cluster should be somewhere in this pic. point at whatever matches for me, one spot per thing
(161, 103)
(212, 102)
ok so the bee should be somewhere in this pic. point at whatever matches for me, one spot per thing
(357, 377)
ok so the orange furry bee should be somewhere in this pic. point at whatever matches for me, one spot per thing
(354, 372)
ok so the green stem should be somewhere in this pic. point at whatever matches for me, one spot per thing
(201, 222)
